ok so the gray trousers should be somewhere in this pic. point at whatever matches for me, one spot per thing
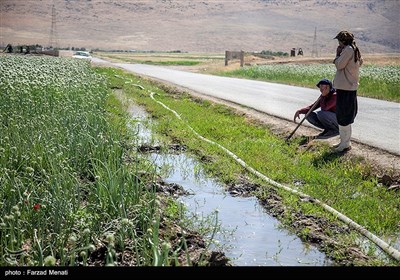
(324, 119)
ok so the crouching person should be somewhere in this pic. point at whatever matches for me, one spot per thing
(325, 118)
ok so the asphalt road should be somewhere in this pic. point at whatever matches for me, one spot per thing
(377, 123)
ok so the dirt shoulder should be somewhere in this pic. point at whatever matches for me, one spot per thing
(383, 162)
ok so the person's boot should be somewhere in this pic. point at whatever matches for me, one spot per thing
(341, 137)
(345, 135)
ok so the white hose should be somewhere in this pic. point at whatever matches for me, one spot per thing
(382, 244)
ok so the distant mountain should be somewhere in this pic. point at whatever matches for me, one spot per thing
(202, 26)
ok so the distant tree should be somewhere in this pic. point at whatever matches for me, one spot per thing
(268, 52)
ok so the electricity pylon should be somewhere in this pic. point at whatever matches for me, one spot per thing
(53, 41)
(314, 52)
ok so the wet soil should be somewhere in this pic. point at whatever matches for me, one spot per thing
(196, 253)
(311, 229)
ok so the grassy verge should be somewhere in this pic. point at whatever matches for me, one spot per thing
(347, 185)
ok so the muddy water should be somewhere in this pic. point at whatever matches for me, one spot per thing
(246, 233)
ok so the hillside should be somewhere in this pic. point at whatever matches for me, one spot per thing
(202, 26)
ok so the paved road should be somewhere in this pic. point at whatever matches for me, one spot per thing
(377, 123)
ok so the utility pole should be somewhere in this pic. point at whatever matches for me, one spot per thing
(53, 41)
(314, 52)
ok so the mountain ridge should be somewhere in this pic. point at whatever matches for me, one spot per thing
(202, 26)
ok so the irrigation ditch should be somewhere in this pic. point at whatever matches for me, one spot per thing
(250, 231)
(246, 233)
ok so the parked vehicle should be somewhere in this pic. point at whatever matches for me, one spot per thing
(82, 55)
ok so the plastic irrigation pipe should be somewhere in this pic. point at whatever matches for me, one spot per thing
(382, 244)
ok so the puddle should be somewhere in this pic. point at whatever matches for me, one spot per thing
(247, 234)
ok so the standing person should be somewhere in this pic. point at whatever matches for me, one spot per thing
(348, 61)
(326, 117)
